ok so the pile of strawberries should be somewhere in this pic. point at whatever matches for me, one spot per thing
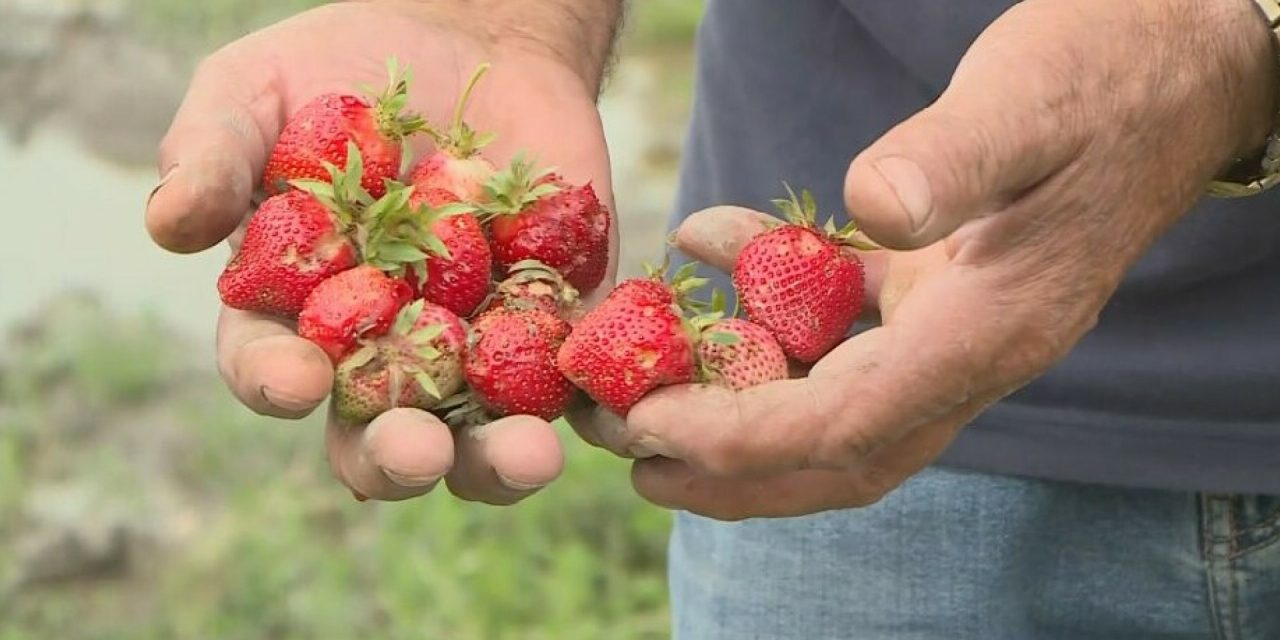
(451, 284)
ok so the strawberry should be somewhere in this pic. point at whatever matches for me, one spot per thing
(320, 131)
(511, 364)
(541, 217)
(416, 364)
(292, 243)
(455, 171)
(533, 285)
(299, 238)
(353, 305)
(802, 283)
(738, 354)
(636, 340)
(458, 267)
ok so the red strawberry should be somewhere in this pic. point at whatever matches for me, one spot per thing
(459, 263)
(636, 340)
(291, 244)
(298, 239)
(355, 304)
(511, 365)
(802, 283)
(455, 167)
(738, 354)
(533, 285)
(320, 131)
(540, 217)
(417, 364)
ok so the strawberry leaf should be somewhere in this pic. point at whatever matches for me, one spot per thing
(399, 253)
(407, 317)
(427, 383)
(360, 358)
(436, 246)
(426, 334)
(720, 337)
(717, 301)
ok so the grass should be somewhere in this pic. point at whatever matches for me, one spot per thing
(273, 547)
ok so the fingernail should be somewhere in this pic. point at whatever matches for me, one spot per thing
(286, 401)
(168, 175)
(516, 485)
(410, 482)
(911, 186)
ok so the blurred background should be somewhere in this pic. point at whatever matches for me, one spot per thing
(139, 501)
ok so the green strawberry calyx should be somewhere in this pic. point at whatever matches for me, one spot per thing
(415, 347)
(462, 409)
(515, 188)
(802, 210)
(461, 141)
(388, 232)
(395, 121)
(529, 274)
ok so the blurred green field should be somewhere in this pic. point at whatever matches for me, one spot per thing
(267, 544)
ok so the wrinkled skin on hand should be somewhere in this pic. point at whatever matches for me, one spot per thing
(214, 154)
(1072, 135)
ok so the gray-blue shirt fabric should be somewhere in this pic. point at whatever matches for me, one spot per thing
(1178, 386)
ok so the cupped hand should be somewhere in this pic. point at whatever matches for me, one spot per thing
(213, 155)
(1071, 136)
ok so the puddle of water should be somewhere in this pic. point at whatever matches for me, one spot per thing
(75, 222)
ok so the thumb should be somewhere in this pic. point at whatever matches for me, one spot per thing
(211, 157)
(997, 131)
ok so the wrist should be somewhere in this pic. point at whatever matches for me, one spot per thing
(1252, 66)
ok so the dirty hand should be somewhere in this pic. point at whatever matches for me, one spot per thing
(1071, 136)
(215, 150)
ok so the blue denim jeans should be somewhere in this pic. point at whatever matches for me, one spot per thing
(957, 555)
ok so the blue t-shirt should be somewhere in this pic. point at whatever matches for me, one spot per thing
(1178, 386)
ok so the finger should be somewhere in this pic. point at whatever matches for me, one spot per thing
(602, 428)
(676, 485)
(214, 151)
(1003, 125)
(402, 454)
(506, 461)
(715, 236)
(268, 367)
(940, 351)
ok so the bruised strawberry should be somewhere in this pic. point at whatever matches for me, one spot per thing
(802, 283)
(738, 354)
(458, 264)
(511, 364)
(353, 305)
(292, 243)
(320, 131)
(533, 285)
(541, 217)
(455, 171)
(416, 364)
(636, 340)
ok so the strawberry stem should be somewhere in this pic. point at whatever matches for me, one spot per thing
(461, 141)
(394, 120)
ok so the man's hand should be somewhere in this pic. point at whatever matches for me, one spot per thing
(539, 97)
(1071, 136)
